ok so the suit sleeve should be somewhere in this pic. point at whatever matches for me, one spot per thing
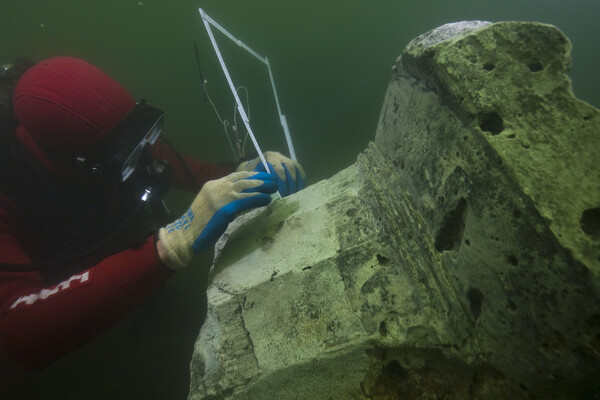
(40, 323)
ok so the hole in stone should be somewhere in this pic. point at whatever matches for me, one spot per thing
(467, 242)
(475, 299)
(383, 329)
(512, 136)
(491, 122)
(395, 372)
(590, 222)
(513, 260)
(535, 66)
(382, 259)
(517, 213)
(450, 235)
(391, 379)
(488, 66)
(587, 117)
(523, 387)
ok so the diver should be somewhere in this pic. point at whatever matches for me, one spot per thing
(84, 233)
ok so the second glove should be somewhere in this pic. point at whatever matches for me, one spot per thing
(289, 173)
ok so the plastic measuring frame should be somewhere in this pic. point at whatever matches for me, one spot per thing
(208, 21)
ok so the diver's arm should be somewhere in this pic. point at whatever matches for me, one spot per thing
(40, 323)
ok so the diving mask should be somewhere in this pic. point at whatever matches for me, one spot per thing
(118, 154)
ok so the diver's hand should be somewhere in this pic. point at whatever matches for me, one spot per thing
(212, 210)
(290, 175)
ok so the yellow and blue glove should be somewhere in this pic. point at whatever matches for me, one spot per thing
(212, 210)
(289, 173)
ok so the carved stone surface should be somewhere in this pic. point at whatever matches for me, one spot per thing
(458, 258)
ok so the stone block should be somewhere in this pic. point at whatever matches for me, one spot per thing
(457, 258)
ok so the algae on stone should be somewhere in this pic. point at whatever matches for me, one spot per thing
(458, 258)
(510, 81)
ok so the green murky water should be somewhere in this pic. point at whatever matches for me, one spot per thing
(331, 60)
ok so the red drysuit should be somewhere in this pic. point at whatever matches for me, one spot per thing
(40, 322)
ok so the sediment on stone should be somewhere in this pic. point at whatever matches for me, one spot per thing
(458, 258)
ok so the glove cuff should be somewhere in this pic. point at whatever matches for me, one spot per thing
(177, 238)
(179, 253)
